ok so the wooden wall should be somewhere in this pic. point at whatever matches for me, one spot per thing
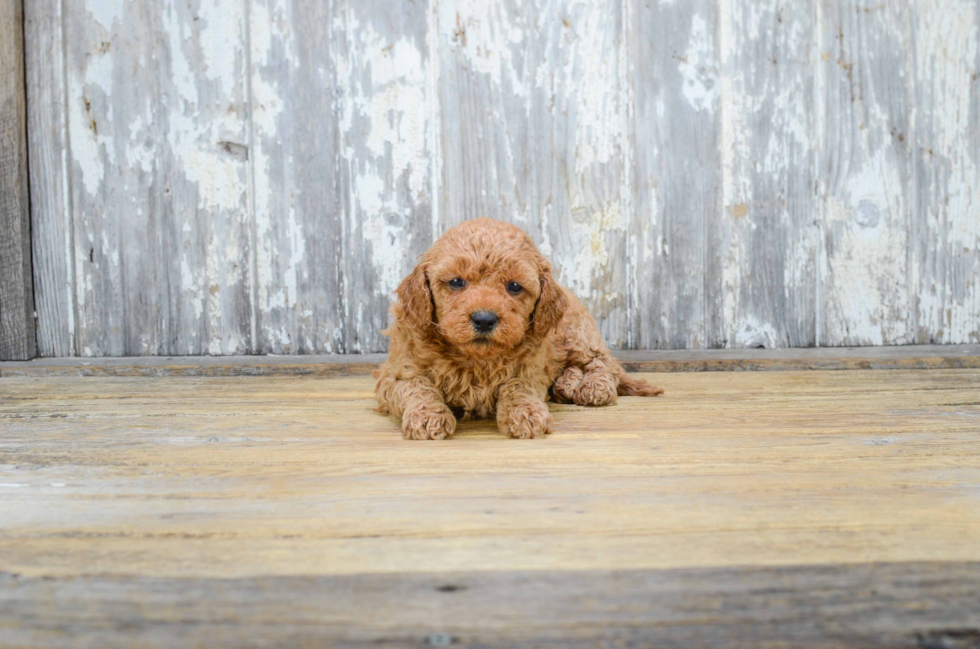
(256, 176)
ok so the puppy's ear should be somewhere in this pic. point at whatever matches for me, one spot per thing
(415, 299)
(551, 304)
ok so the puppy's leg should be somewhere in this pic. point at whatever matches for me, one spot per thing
(564, 388)
(598, 386)
(591, 374)
(521, 410)
(423, 413)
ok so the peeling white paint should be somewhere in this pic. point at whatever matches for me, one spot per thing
(491, 36)
(393, 105)
(762, 78)
(385, 119)
(192, 290)
(92, 150)
(590, 241)
(592, 77)
(698, 67)
(141, 149)
(267, 107)
(297, 253)
(947, 58)
(106, 12)
(867, 279)
(753, 333)
(221, 38)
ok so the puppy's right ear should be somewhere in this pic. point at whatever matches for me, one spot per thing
(415, 299)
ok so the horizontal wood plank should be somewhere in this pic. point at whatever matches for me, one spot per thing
(916, 605)
(912, 357)
(242, 476)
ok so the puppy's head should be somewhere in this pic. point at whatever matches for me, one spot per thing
(484, 288)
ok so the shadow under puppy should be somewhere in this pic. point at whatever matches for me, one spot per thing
(482, 329)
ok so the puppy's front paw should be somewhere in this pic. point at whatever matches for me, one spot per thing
(430, 422)
(564, 388)
(526, 420)
(596, 389)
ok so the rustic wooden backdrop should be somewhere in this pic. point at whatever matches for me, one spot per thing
(255, 176)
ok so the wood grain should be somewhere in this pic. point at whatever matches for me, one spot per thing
(768, 509)
(237, 477)
(48, 147)
(676, 231)
(17, 336)
(867, 177)
(771, 214)
(911, 357)
(945, 221)
(298, 198)
(388, 129)
(904, 605)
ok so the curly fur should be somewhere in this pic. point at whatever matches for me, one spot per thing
(546, 343)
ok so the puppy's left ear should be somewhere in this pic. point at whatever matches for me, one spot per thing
(551, 304)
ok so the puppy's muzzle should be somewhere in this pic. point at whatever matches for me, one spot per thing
(484, 321)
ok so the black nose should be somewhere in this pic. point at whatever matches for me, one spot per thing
(484, 321)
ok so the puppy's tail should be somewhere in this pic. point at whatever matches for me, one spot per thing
(630, 387)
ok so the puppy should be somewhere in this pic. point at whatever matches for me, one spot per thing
(481, 329)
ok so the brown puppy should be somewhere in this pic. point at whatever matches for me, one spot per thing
(481, 328)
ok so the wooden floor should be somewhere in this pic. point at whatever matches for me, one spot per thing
(742, 509)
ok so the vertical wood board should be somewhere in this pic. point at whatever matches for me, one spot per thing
(677, 231)
(48, 155)
(768, 151)
(297, 202)
(387, 120)
(946, 215)
(17, 337)
(867, 180)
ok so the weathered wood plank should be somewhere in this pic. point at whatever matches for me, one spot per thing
(343, 188)
(157, 122)
(17, 335)
(918, 605)
(711, 360)
(300, 476)
(485, 129)
(676, 184)
(768, 163)
(946, 216)
(866, 174)
(48, 145)
(389, 119)
(534, 113)
(299, 199)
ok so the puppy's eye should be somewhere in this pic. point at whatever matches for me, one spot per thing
(457, 283)
(514, 288)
